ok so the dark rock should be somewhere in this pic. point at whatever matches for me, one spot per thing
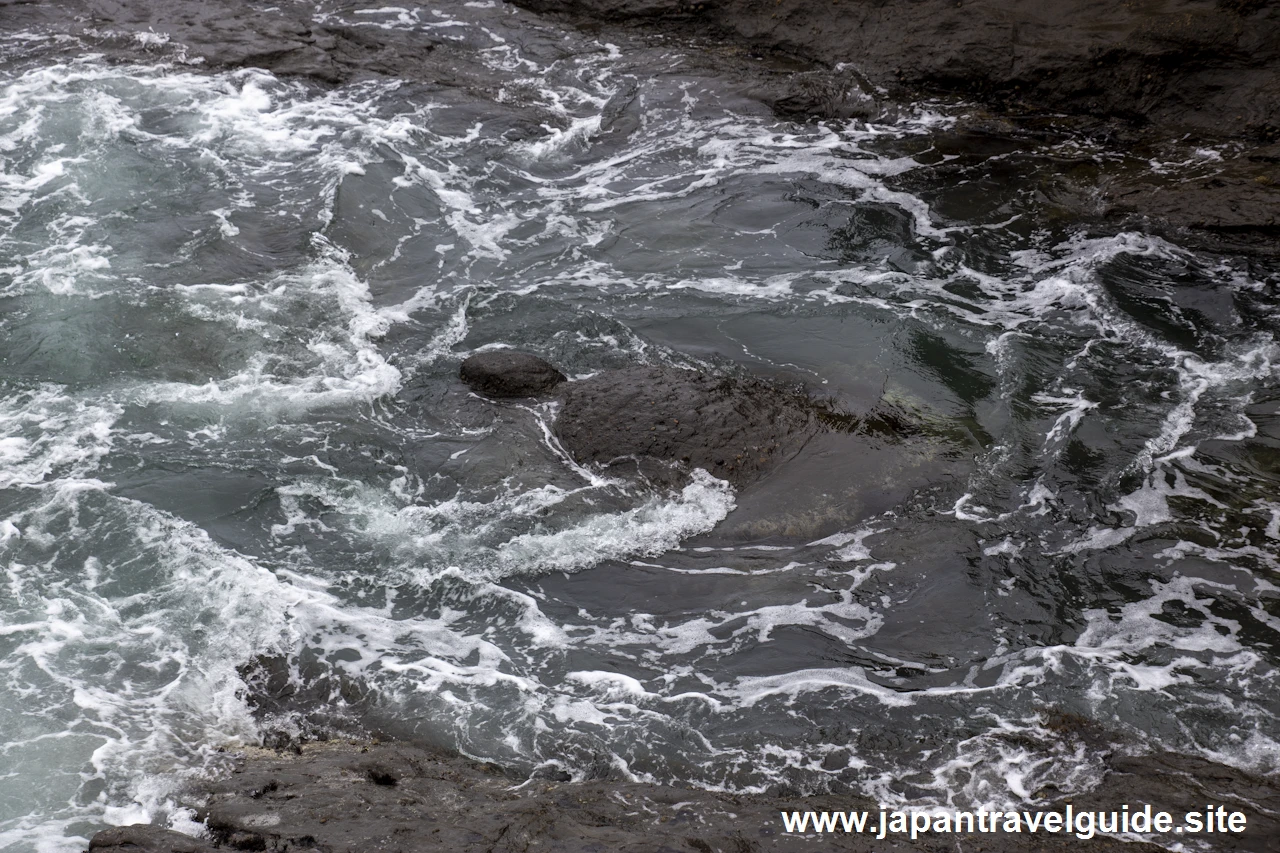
(1235, 208)
(506, 373)
(1136, 75)
(144, 838)
(1133, 74)
(342, 797)
(825, 94)
(669, 421)
(1185, 65)
(1182, 783)
(1212, 69)
(329, 799)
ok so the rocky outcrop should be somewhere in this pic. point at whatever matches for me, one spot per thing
(356, 798)
(1199, 66)
(660, 422)
(1234, 208)
(1207, 67)
(342, 797)
(508, 373)
(668, 421)
(1135, 75)
(1138, 75)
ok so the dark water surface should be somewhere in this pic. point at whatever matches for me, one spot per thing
(232, 309)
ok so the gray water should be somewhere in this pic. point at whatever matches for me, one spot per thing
(232, 309)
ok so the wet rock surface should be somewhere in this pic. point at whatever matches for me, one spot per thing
(1133, 74)
(334, 798)
(1192, 65)
(1180, 784)
(348, 797)
(223, 34)
(352, 798)
(507, 373)
(1235, 208)
(144, 838)
(669, 421)
(1206, 67)
(1220, 198)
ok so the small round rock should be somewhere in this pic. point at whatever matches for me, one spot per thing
(508, 373)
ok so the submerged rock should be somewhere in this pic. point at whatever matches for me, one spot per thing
(144, 838)
(669, 421)
(508, 373)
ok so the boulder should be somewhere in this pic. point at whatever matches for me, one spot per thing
(669, 421)
(508, 373)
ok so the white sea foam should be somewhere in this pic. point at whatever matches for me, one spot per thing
(341, 367)
(174, 613)
(751, 690)
(44, 435)
(470, 535)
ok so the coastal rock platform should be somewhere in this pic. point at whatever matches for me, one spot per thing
(348, 797)
(342, 797)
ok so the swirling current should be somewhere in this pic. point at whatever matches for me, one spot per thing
(232, 310)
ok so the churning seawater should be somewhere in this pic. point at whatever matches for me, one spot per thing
(232, 309)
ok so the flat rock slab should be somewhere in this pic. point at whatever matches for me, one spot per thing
(669, 421)
(508, 373)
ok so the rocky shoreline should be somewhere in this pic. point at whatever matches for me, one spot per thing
(318, 793)
(1147, 76)
(1155, 75)
(1207, 68)
(1174, 81)
(352, 797)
